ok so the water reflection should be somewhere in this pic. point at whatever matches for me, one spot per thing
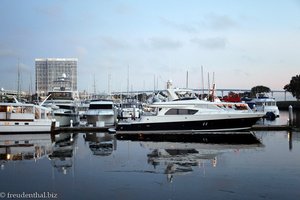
(297, 119)
(178, 154)
(244, 137)
(158, 166)
(101, 144)
(62, 152)
(293, 137)
(19, 147)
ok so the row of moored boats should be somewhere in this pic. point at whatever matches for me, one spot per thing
(170, 110)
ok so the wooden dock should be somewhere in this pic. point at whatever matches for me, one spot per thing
(271, 128)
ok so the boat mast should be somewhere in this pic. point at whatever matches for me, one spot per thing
(187, 79)
(127, 80)
(19, 86)
(94, 87)
(109, 90)
(202, 82)
(208, 81)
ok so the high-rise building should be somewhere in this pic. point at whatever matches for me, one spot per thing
(48, 70)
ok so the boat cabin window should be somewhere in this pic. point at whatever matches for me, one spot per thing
(16, 109)
(181, 112)
(233, 106)
(101, 106)
(269, 103)
(3, 109)
(61, 95)
(259, 103)
(66, 107)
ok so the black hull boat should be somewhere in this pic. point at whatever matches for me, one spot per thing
(202, 125)
(178, 114)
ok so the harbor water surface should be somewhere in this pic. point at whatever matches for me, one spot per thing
(101, 166)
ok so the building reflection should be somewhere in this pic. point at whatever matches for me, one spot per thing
(101, 144)
(19, 147)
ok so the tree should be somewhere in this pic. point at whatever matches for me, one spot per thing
(259, 89)
(294, 86)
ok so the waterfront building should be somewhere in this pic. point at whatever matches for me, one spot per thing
(48, 70)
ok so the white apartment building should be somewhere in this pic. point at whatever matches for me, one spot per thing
(48, 70)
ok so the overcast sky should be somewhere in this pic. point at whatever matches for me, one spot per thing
(243, 42)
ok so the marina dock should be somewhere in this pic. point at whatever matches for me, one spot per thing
(271, 128)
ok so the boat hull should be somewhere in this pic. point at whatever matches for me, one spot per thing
(231, 124)
(65, 119)
(108, 120)
(25, 127)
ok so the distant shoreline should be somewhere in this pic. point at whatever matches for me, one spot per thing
(284, 105)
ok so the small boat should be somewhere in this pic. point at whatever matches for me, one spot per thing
(190, 113)
(101, 113)
(65, 111)
(130, 109)
(24, 118)
(266, 104)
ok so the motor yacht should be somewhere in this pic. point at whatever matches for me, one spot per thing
(64, 102)
(266, 104)
(101, 113)
(186, 112)
(20, 117)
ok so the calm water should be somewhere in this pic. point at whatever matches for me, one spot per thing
(99, 166)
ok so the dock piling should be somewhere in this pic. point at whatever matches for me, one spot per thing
(52, 131)
(291, 115)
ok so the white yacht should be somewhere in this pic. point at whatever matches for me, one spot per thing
(266, 104)
(24, 118)
(190, 113)
(130, 109)
(64, 102)
(65, 109)
(101, 113)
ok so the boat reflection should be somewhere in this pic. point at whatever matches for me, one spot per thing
(242, 137)
(19, 147)
(101, 144)
(62, 152)
(178, 154)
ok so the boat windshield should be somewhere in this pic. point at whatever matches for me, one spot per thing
(181, 112)
(101, 106)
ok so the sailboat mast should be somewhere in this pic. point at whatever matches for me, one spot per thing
(208, 85)
(127, 80)
(202, 76)
(187, 79)
(19, 86)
